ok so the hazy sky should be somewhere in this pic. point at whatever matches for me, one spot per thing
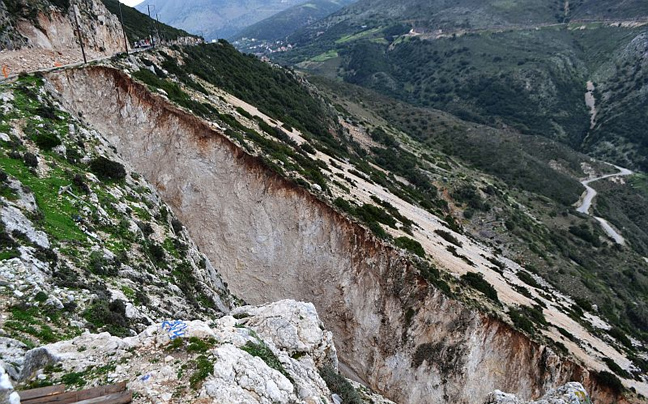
(131, 3)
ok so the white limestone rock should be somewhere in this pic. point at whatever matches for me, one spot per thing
(291, 330)
(293, 327)
(14, 219)
(241, 378)
(570, 393)
(7, 393)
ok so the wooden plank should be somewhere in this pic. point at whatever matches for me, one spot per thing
(26, 395)
(123, 397)
(75, 396)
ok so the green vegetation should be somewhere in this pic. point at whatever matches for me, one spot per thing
(174, 92)
(410, 245)
(139, 26)
(111, 316)
(74, 379)
(199, 345)
(262, 351)
(608, 379)
(107, 169)
(284, 23)
(32, 321)
(338, 384)
(528, 319)
(274, 91)
(204, 368)
(477, 281)
(447, 236)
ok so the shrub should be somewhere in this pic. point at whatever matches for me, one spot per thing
(447, 236)
(528, 279)
(74, 379)
(40, 297)
(620, 336)
(610, 380)
(107, 169)
(340, 385)
(616, 368)
(111, 315)
(521, 322)
(46, 141)
(198, 345)
(307, 148)
(99, 265)
(204, 368)
(80, 184)
(243, 112)
(262, 351)
(30, 160)
(410, 245)
(157, 253)
(477, 281)
(177, 225)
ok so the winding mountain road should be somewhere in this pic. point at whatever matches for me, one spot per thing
(585, 202)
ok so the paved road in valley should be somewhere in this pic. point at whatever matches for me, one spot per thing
(590, 193)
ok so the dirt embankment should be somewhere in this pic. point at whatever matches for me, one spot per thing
(273, 240)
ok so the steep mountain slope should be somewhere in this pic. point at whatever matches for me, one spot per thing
(421, 250)
(100, 282)
(279, 238)
(87, 243)
(213, 19)
(497, 66)
(263, 36)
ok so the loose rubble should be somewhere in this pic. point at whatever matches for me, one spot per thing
(570, 393)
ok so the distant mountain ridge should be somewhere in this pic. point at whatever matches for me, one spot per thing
(267, 35)
(288, 21)
(523, 64)
(214, 19)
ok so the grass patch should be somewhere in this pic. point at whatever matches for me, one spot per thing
(204, 368)
(262, 351)
(338, 384)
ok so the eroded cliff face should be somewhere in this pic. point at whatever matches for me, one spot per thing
(272, 240)
(39, 35)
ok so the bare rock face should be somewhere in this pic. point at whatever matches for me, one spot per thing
(40, 35)
(45, 26)
(570, 393)
(273, 241)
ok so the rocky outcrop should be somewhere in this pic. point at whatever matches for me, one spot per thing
(38, 35)
(45, 26)
(80, 250)
(266, 354)
(274, 240)
(570, 393)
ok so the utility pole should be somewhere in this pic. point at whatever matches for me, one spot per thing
(157, 27)
(148, 8)
(76, 19)
(121, 16)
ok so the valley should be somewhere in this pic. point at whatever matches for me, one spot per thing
(426, 215)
